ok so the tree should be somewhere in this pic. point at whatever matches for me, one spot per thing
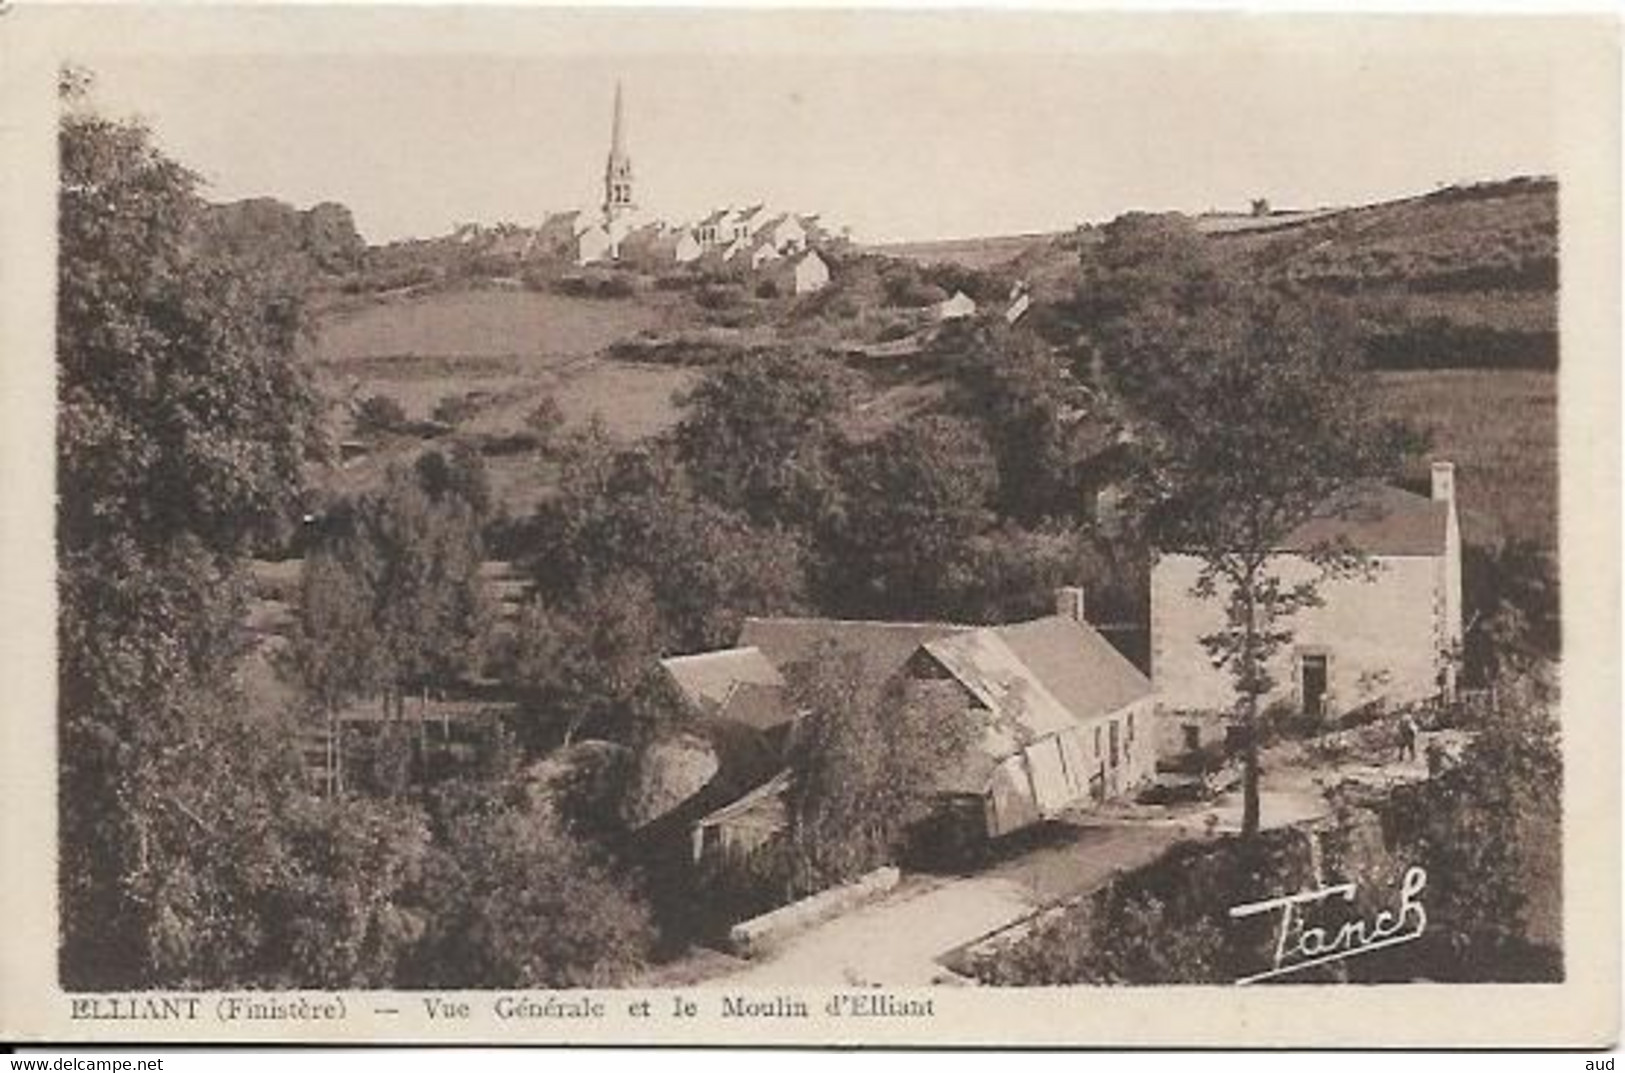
(865, 765)
(1510, 593)
(392, 598)
(584, 663)
(759, 432)
(459, 474)
(635, 511)
(347, 914)
(182, 425)
(1145, 259)
(912, 502)
(1488, 830)
(513, 901)
(1042, 424)
(1251, 413)
(379, 414)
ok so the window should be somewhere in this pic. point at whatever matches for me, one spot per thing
(1314, 675)
(1130, 726)
(1097, 742)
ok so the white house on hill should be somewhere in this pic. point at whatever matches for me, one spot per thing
(688, 247)
(1391, 637)
(958, 307)
(592, 244)
(802, 274)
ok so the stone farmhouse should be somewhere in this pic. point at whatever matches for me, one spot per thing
(1391, 637)
(1065, 721)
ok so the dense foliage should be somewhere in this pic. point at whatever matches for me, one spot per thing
(868, 760)
(181, 427)
(194, 852)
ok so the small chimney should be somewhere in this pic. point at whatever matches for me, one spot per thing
(1444, 482)
(1069, 602)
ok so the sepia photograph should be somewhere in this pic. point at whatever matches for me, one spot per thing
(824, 531)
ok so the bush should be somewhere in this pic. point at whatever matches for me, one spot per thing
(602, 285)
(715, 296)
(546, 421)
(676, 281)
(380, 414)
(455, 409)
(904, 287)
(893, 329)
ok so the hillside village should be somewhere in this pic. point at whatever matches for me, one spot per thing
(745, 604)
(776, 248)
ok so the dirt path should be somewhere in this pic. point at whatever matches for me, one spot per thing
(897, 940)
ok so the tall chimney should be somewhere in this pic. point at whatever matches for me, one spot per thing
(1444, 482)
(1069, 602)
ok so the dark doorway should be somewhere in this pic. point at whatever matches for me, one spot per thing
(1314, 685)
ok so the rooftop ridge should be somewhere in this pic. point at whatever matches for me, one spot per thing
(714, 653)
(910, 624)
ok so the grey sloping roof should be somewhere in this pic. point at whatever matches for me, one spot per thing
(759, 705)
(884, 647)
(1032, 680)
(762, 807)
(1377, 519)
(769, 222)
(1077, 665)
(1021, 710)
(709, 678)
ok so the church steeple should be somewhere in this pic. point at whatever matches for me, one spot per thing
(617, 140)
(618, 170)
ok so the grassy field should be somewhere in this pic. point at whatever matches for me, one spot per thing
(484, 323)
(508, 350)
(970, 252)
(1500, 428)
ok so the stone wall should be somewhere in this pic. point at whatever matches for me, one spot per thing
(753, 936)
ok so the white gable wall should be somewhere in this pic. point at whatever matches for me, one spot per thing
(1383, 637)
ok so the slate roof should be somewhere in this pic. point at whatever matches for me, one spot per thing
(1039, 678)
(708, 679)
(884, 646)
(1020, 708)
(762, 807)
(1377, 519)
(1076, 664)
(760, 705)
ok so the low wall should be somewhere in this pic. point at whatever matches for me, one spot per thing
(750, 937)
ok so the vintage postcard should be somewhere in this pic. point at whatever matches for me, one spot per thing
(826, 527)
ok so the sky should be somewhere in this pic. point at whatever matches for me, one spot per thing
(897, 146)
